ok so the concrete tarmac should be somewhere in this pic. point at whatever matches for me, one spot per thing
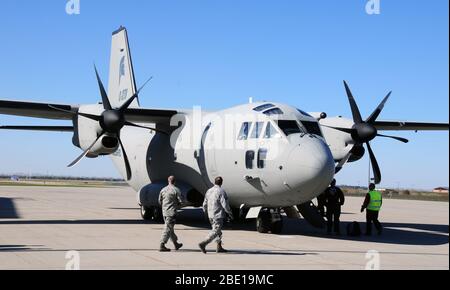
(39, 226)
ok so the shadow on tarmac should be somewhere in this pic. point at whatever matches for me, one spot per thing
(8, 209)
(23, 248)
(394, 233)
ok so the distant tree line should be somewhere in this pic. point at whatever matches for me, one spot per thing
(55, 177)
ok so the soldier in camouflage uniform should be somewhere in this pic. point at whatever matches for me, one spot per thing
(216, 206)
(170, 200)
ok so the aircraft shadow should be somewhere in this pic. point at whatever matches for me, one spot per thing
(23, 248)
(394, 233)
(8, 209)
(16, 248)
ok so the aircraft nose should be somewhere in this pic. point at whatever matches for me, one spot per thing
(310, 168)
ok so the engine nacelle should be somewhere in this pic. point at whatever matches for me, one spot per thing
(87, 131)
(105, 146)
(340, 143)
(358, 152)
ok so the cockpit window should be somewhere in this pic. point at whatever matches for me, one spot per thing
(257, 130)
(304, 113)
(312, 128)
(274, 111)
(289, 127)
(264, 107)
(245, 129)
(271, 132)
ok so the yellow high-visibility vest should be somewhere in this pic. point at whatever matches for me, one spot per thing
(375, 201)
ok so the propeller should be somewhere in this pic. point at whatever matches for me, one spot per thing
(363, 132)
(112, 120)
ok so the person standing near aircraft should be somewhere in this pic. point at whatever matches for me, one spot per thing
(372, 205)
(170, 200)
(334, 199)
(216, 206)
(321, 204)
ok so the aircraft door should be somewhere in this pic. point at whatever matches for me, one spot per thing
(207, 158)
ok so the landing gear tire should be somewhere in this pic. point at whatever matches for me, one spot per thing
(239, 215)
(263, 222)
(276, 227)
(152, 214)
(269, 220)
(158, 215)
(146, 213)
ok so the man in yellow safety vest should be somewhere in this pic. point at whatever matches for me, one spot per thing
(372, 205)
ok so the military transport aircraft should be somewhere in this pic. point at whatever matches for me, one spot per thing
(273, 157)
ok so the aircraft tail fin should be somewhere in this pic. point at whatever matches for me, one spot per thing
(122, 84)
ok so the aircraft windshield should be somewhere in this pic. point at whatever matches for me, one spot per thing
(312, 128)
(271, 132)
(263, 107)
(304, 113)
(289, 127)
(274, 111)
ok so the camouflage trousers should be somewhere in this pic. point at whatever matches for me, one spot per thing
(169, 230)
(216, 232)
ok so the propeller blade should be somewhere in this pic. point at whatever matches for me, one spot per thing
(375, 166)
(125, 157)
(395, 138)
(345, 130)
(130, 100)
(143, 127)
(89, 116)
(355, 110)
(378, 110)
(105, 100)
(75, 162)
(343, 161)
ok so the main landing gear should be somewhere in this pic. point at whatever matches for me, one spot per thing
(269, 220)
(152, 213)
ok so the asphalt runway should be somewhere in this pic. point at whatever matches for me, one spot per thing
(40, 227)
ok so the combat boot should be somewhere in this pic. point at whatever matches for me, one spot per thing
(162, 248)
(220, 249)
(177, 246)
(202, 247)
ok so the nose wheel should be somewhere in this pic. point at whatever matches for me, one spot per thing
(269, 220)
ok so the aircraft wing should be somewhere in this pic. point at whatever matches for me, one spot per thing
(36, 110)
(67, 112)
(40, 128)
(410, 126)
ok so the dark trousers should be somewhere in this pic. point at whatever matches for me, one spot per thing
(372, 217)
(333, 218)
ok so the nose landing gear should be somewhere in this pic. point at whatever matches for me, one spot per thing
(269, 220)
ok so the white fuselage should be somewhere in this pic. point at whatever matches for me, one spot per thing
(261, 166)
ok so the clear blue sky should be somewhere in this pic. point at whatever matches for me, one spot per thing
(218, 53)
